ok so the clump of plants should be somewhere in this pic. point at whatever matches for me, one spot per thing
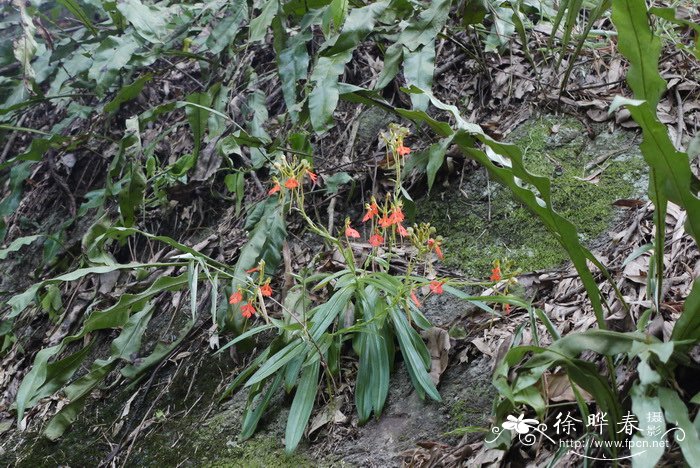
(371, 307)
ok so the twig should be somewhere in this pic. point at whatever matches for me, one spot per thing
(679, 129)
(11, 140)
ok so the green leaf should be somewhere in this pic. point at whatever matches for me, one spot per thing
(21, 301)
(292, 60)
(335, 54)
(677, 414)
(17, 244)
(150, 21)
(302, 405)
(259, 24)
(418, 69)
(687, 327)
(252, 416)
(128, 93)
(265, 242)
(333, 183)
(641, 47)
(414, 358)
(436, 156)
(113, 54)
(197, 116)
(131, 196)
(77, 11)
(427, 26)
(25, 46)
(225, 31)
(277, 361)
(34, 379)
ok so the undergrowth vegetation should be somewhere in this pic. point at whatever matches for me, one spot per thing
(90, 64)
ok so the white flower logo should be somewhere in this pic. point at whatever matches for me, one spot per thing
(520, 424)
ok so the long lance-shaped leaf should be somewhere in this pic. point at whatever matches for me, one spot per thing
(21, 301)
(671, 176)
(642, 48)
(302, 405)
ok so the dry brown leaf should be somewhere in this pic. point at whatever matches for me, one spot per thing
(439, 347)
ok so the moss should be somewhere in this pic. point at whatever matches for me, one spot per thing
(484, 221)
(174, 439)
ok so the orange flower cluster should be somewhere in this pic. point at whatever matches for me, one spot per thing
(248, 307)
(496, 273)
(293, 175)
(389, 215)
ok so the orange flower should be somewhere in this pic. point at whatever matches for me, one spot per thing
(247, 310)
(402, 150)
(372, 211)
(402, 230)
(496, 274)
(275, 188)
(506, 309)
(432, 244)
(253, 270)
(376, 240)
(438, 251)
(235, 297)
(266, 290)
(312, 176)
(396, 215)
(350, 232)
(414, 298)
(385, 222)
(436, 287)
(291, 183)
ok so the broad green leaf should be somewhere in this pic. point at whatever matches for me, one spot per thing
(131, 196)
(227, 29)
(427, 26)
(292, 60)
(17, 244)
(20, 301)
(252, 416)
(302, 405)
(34, 379)
(259, 24)
(123, 347)
(414, 358)
(25, 46)
(277, 361)
(128, 93)
(134, 370)
(436, 156)
(688, 324)
(686, 436)
(643, 405)
(150, 21)
(641, 47)
(110, 57)
(335, 54)
(197, 117)
(324, 96)
(418, 69)
(265, 242)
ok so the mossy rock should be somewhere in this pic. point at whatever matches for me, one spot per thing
(481, 221)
